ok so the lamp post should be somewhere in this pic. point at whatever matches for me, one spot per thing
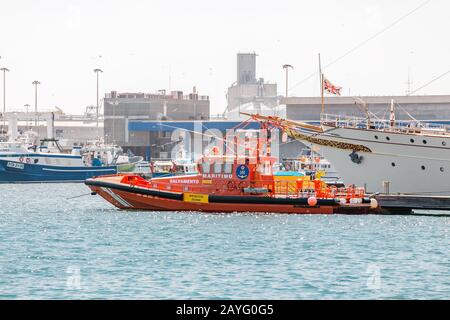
(4, 96)
(35, 82)
(97, 72)
(287, 66)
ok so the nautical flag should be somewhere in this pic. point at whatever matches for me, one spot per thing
(331, 88)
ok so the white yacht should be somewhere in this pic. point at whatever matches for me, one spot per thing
(392, 156)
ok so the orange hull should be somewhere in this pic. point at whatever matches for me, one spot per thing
(131, 197)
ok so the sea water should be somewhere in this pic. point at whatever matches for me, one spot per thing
(53, 247)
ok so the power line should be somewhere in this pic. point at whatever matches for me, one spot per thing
(363, 42)
(428, 83)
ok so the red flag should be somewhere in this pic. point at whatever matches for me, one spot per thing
(331, 88)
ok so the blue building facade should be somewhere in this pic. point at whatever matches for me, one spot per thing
(156, 139)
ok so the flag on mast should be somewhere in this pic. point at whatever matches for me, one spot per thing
(331, 88)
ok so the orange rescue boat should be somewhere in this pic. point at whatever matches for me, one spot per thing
(236, 184)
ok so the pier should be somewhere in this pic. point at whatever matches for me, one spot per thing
(405, 204)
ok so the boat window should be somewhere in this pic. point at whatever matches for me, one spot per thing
(444, 143)
(442, 169)
(387, 138)
(393, 164)
(424, 141)
(227, 168)
(376, 137)
(217, 168)
(206, 167)
(423, 167)
(412, 140)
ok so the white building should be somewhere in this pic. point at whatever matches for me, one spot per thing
(249, 94)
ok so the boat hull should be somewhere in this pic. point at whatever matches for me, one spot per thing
(19, 172)
(411, 164)
(133, 197)
(404, 173)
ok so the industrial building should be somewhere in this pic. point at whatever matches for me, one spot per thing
(70, 130)
(432, 108)
(249, 94)
(122, 108)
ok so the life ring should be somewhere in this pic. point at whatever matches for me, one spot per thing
(231, 185)
(21, 159)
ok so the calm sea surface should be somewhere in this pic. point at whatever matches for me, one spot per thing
(52, 247)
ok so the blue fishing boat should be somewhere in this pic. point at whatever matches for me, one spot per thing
(14, 171)
(21, 163)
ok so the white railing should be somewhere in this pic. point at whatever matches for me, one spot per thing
(383, 124)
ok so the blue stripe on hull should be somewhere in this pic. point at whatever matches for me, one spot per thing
(12, 171)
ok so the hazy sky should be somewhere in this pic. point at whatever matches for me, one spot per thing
(136, 43)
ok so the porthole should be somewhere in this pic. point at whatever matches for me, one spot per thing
(387, 138)
(423, 167)
(442, 169)
(393, 164)
(411, 140)
(376, 137)
(424, 141)
(444, 143)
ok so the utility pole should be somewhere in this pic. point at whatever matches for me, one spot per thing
(35, 82)
(287, 66)
(4, 96)
(97, 72)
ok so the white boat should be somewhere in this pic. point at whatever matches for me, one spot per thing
(311, 163)
(165, 168)
(110, 154)
(143, 167)
(392, 156)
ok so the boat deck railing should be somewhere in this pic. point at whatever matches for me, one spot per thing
(404, 126)
(270, 188)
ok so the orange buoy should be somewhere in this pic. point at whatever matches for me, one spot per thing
(312, 201)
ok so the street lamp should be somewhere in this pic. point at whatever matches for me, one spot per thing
(97, 72)
(35, 82)
(4, 96)
(287, 66)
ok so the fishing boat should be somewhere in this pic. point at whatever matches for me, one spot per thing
(236, 183)
(22, 162)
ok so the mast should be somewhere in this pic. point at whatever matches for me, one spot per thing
(392, 115)
(321, 85)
